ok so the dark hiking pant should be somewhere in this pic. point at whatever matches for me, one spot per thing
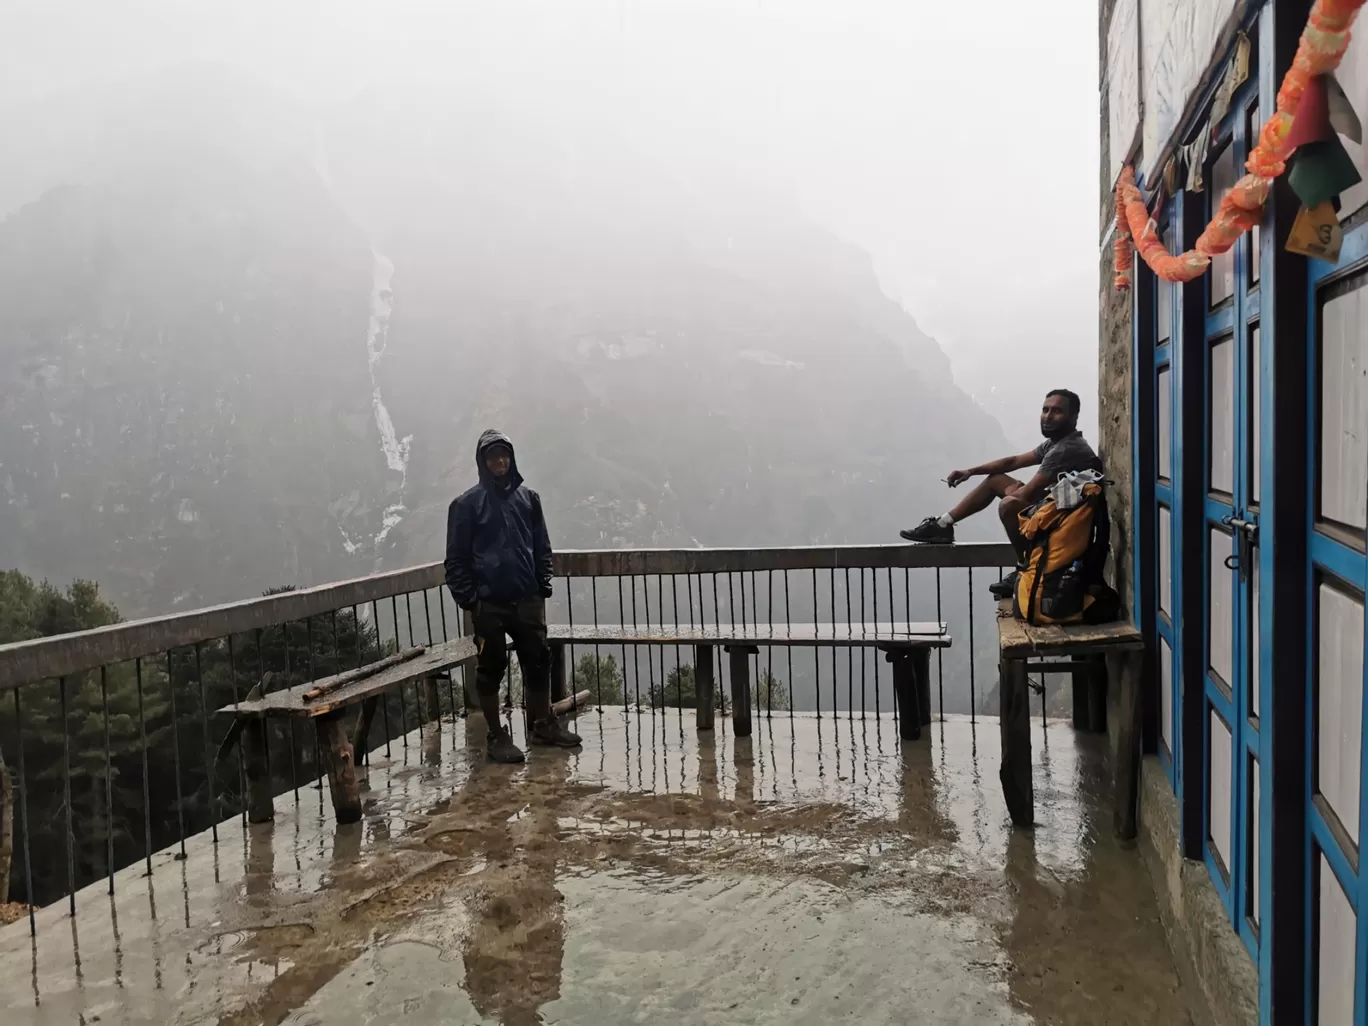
(523, 621)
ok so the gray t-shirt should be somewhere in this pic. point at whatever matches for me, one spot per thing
(1064, 455)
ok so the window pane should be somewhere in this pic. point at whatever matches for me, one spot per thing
(1335, 986)
(1220, 623)
(1163, 312)
(1218, 794)
(1255, 380)
(1253, 834)
(1166, 561)
(1339, 703)
(1165, 402)
(1223, 417)
(1344, 410)
(1223, 177)
(1252, 137)
(1254, 633)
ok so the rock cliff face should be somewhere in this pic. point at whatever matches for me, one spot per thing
(234, 358)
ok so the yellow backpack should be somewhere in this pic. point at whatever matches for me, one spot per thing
(1062, 581)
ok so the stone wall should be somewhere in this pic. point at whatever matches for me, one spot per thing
(1114, 356)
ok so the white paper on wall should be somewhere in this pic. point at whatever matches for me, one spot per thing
(1123, 81)
(1178, 40)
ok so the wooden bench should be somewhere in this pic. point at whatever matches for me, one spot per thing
(907, 646)
(1073, 649)
(325, 701)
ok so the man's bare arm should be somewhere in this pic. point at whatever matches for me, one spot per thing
(1005, 465)
(1032, 491)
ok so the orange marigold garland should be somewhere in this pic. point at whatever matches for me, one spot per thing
(1322, 46)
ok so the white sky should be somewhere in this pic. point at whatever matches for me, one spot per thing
(956, 141)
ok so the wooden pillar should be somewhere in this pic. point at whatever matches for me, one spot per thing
(1014, 716)
(921, 663)
(703, 686)
(740, 689)
(905, 691)
(260, 807)
(1126, 800)
(558, 686)
(336, 751)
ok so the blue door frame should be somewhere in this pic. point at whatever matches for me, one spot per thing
(1337, 562)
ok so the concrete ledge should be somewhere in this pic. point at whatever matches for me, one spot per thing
(1210, 956)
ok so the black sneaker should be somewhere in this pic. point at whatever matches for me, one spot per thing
(930, 530)
(550, 733)
(1005, 588)
(502, 749)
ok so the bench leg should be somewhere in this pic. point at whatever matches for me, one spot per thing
(1127, 779)
(432, 702)
(260, 807)
(1014, 715)
(337, 756)
(905, 690)
(921, 661)
(703, 686)
(361, 734)
(740, 689)
(1097, 697)
(1082, 692)
(558, 686)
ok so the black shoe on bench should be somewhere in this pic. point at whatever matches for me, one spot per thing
(930, 531)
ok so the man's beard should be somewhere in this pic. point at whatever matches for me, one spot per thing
(1054, 431)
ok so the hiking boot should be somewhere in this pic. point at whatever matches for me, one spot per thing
(550, 733)
(502, 749)
(1005, 588)
(930, 531)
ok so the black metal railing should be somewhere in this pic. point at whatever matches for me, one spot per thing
(112, 743)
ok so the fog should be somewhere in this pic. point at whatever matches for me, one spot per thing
(955, 143)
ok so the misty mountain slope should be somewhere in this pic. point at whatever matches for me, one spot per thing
(233, 361)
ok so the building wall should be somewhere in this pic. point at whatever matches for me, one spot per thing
(1113, 351)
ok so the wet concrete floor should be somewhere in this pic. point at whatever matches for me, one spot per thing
(819, 872)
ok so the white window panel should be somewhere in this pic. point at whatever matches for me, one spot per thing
(1218, 790)
(1163, 310)
(1335, 982)
(1165, 402)
(1254, 841)
(1221, 611)
(1255, 377)
(1223, 417)
(1339, 703)
(1344, 410)
(1166, 561)
(1224, 174)
(1166, 695)
(1254, 632)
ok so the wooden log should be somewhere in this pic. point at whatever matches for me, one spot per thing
(1127, 769)
(362, 672)
(905, 693)
(1014, 715)
(260, 807)
(361, 733)
(337, 755)
(579, 700)
(739, 656)
(703, 686)
(558, 685)
(921, 662)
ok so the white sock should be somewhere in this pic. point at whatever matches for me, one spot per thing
(946, 521)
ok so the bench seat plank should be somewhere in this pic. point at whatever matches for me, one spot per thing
(1023, 640)
(290, 702)
(874, 635)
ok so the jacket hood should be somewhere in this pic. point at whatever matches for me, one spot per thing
(514, 479)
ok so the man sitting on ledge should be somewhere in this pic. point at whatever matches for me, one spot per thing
(1064, 450)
